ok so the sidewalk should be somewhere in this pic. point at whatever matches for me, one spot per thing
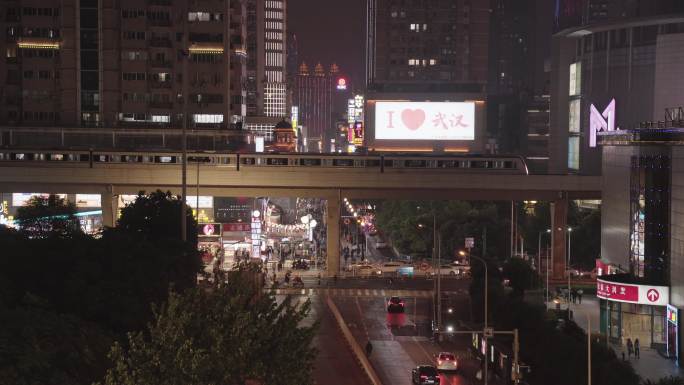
(651, 366)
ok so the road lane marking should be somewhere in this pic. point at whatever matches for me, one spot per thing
(429, 357)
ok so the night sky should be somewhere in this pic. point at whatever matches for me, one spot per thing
(331, 31)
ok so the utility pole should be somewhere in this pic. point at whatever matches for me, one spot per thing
(184, 134)
(516, 358)
(484, 242)
(486, 295)
(588, 350)
(439, 282)
(512, 228)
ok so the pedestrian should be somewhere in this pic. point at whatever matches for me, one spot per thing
(319, 279)
(636, 348)
(369, 348)
(275, 279)
(630, 348)
(579, 295)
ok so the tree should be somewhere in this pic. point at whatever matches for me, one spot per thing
(520, 275)
(155, 216)
(50, 216)
(666, 381)
(40, 346)
(227, 335)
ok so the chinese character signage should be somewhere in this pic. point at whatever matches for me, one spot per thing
(425, 120)
(236, 227)
(642, 294)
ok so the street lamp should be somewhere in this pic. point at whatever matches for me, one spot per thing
(485, 309)
(569, 229)
(548, 231)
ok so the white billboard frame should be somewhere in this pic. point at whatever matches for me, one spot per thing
(425, 121)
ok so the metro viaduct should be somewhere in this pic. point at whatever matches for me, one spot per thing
(329, 183)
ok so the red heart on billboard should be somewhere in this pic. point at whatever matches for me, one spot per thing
(413, 119)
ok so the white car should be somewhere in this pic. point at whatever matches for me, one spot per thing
(390, 267)
(446, 361)
(366, 270)
(452, 270)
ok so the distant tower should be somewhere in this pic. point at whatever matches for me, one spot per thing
(313, 95)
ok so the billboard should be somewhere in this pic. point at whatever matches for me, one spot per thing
(425, 120)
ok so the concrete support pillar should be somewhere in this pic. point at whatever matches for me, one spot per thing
(110, 208)
(333, 236)
(559, 224)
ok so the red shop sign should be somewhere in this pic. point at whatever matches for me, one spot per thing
(617, 291)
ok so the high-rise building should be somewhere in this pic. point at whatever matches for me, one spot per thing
(518, 85)
(122, 63)
(614, 63)
(428, 51)
(439, 45)
(267, 63)
(313, 95)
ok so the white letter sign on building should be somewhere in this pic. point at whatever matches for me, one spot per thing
(601, 121)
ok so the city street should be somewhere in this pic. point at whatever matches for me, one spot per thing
(335, 363)
(402, 340)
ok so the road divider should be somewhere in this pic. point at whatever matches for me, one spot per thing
(353, 344)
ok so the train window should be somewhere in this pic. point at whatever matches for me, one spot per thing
(389, 163)
(101, 158)
(38, 156)
(16, 156)
(115, 158)
(276, 161)
(224, 160)
(509, 164)
(165, 159)
(478, 164)
(56, 157)
(84, 158)
(2, 156)
(311, 162)
(415, 163)
(343, 162)
(248, 161)
(372, 163)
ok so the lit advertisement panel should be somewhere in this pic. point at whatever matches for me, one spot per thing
(425, 120)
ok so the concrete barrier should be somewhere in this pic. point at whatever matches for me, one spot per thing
(355, 347)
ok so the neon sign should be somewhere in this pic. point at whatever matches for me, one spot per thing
(341, 84)
(599, 122)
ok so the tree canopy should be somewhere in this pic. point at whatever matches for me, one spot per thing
(227, 335)
(155, 216)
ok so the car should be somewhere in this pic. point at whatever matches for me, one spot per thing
(366, 270)
(424, 374)
(446, 361)
(395, 305)
(450, 270)
(391, 267)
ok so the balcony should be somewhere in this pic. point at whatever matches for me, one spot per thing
(160, 64)
(160, 23)
(157, 84)
(160, 104)
(161, 43)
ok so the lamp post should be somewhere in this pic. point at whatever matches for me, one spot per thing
(569, 230)
(548, 231)
(485, 311)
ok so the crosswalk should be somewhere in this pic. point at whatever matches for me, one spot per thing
(381, 293)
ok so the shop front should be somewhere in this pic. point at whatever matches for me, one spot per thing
(633, 311)
(236, 242)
